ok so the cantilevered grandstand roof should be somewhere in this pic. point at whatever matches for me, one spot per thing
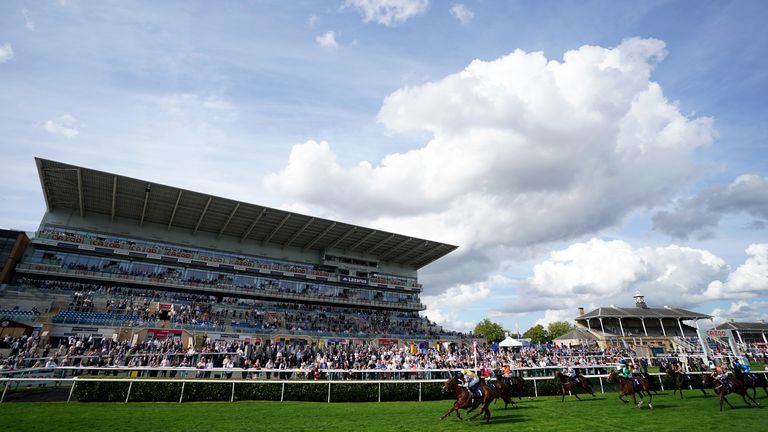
(74, 188)
(754, 327)
(640, 312)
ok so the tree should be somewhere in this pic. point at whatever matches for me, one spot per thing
(490, 331)
(558, 328)
(537, 334)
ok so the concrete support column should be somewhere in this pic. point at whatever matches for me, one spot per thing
(702, 340)
(664, 332)
(621, 327)
(642, 320)
(680, 324)
(601, 326)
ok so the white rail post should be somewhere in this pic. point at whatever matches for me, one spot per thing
(4, 390)
(282, 393)
(232, 399)
(379, 392)
(329, 392)
(72, 390)
(419, 391)
(661, 383)
(127, 396)
(535, 389)
(182, 391)
(601, 385)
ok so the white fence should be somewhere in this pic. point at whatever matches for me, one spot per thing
(73, 381)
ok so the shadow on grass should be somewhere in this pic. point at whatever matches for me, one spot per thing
(507, 420)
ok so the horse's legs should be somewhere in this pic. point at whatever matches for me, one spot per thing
(562, 390)
(723, 398)
(650, 399)
(475, 404)
(621, 397)
(507, 401)
(455, 407)
(753, 399)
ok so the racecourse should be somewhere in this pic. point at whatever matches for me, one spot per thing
(605, 412)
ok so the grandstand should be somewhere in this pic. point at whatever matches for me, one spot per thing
(122, 258)
(653, 330)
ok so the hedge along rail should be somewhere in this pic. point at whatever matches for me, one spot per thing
(75, 380)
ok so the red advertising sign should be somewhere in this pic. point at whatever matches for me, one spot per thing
(163, 333)
(716, 333)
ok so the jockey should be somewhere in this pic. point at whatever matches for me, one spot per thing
(506, 372)
(624, 369)
(470, 378)
(486, 373)
(744, 367)
(719, 373)
(571, 372)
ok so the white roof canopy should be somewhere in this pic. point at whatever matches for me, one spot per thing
(510, 342)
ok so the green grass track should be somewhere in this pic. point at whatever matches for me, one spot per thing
(603, 413)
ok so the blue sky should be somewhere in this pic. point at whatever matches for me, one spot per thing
(575, 151)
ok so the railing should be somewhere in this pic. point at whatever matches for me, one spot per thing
(208, 288)
(283, 382)
(157, 251)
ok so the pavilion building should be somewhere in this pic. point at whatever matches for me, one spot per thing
(643, 326)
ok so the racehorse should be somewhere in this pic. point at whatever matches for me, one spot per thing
(628, 387)
(504, 390)
(751, 381)
(680, 380)
(465, 400)
(568, 384)
(728, 385)
(516, 386)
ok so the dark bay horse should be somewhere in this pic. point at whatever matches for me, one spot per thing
(465, 400)
(681, 380)
(751, 381)
(504, 390)
(514, 384)
(628, 387)
(568, 384)
(728, 385)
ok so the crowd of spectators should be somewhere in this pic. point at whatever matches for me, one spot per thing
(299, 359)
(163, 274)
(238, 313)
(286, 358)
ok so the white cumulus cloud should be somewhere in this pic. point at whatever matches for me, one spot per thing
(749, 280)
(462, 13)
(64, 126)
(524, 151)
(6, 52)
(447, 308)
(389, 12)
(601, 272)
(746, 194)
(327, 40)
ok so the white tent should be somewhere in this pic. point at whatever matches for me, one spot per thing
(510, 342)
